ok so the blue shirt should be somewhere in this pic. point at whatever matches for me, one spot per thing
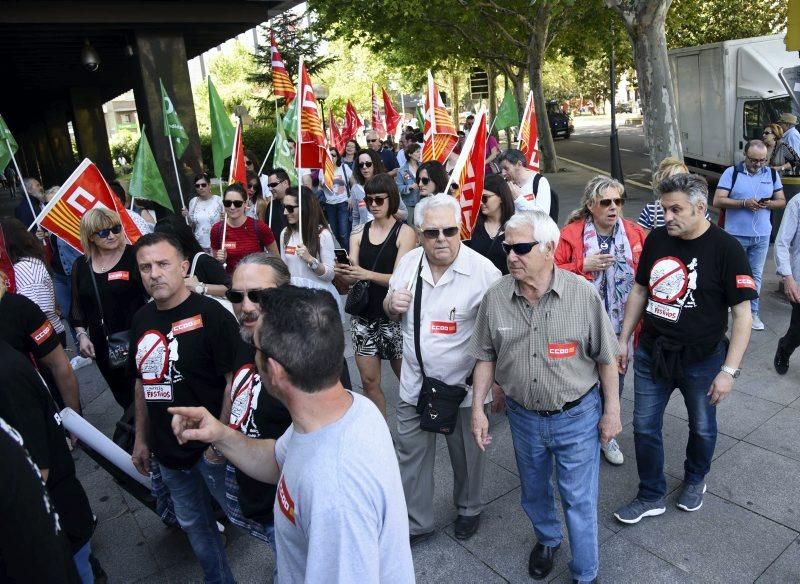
(792, 138)
(744, 222)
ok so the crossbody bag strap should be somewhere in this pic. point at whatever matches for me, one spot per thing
(396, 227)
(194, 262)
(417, 314)
(97, 296)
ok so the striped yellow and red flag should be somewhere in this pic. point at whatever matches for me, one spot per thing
(529, 135)
(311, 150)
(329, 170)
(469, 173)
(335, 134)
(281, 83)
(440, 133)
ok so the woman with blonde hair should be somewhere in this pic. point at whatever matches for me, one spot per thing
(652, 215)
(106, 293)
(781, 156)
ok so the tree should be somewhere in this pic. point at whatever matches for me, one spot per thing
(698, 22)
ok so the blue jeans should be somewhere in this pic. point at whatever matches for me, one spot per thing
(82, 565)
(191, 492)
(339, 220)
(650, 401)
(63, 289)
(756, 249)
(573, 440)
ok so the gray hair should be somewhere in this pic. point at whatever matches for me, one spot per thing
(279, 267)
(594, 188)
(693, 186)
(434, 202)
(513, 156)
(544, 228)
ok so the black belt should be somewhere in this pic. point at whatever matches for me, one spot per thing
(565, 407)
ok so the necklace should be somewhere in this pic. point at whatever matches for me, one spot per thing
(604, 241)
(102, 269)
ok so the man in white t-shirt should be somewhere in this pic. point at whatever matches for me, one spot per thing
(521, 179)
(340, 515)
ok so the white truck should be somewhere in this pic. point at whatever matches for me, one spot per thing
(727, 92)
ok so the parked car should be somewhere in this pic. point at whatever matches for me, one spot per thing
(560, 123)
(625, 107)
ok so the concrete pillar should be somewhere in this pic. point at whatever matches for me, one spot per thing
(56, 119)
(47, 165)
(162, 55)
(90, 128)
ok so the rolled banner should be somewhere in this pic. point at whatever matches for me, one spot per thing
(102, 444)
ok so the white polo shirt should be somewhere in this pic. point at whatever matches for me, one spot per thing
(448, 312)
(527, 201)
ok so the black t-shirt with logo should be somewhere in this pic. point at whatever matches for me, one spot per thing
(255, 413)
(182, 355)
(25, 327)
(691, 283)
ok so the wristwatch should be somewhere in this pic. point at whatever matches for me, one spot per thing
(201, 288)
(313, 265)
(731, 371)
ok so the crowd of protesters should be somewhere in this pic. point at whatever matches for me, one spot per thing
(233, 314)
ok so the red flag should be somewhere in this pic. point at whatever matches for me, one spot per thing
(85, 189)
(529, 135)
(377, 119)
(238, 168)
(469, 174)
(6, 267)
(335, 135)
(440, 133)
(351, 123)
(392, 117)
(281, 82)
(329, 170)
(311, 150)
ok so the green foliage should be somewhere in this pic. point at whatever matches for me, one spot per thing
(124, 144)
(257, 139)
(698, 22)
(559, 78)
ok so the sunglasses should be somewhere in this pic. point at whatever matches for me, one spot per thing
(424, 181)
(619, 202)
(237, 204)
(275, 184)
(365, 164)
(485, 198)
(767, 133)
(372, 140)
(252, 186)
(248, 163)
(290, 208)
(519, 248)
(757, 160)
(377, 201)
(200, 185)
(435, 233)
(104, 233)
(237, 296)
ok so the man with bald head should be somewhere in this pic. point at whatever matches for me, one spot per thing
(748, 192)
(387, 156)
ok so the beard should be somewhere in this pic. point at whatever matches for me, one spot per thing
(247, 318)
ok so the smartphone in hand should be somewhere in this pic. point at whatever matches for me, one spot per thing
(341, 256)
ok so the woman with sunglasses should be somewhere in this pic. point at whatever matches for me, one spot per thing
(351, 149)
(598, 244)
(431, 178)
(497, 207)
(406, 179)
(204, 211)
(243, 235)
(375, 336)
(110, 263)
(368, 164)
(782, 157)
(257, 204)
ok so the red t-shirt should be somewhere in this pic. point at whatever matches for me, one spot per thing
(250, 237)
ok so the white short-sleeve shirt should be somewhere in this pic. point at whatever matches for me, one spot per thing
(527, 201)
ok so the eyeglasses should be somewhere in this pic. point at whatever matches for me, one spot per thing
(424, 181)
(237, 296)
(275, 184)
(767, 133)
(200, 185)
(618, 201)
(378, 201)
(435, 233)
(290, 208)
(370, 141)
(252, 186)
(485, 198)
(520, 249)
(365, 164)
(268, 355)
(757, 160)
(104, 233)
(237, 204)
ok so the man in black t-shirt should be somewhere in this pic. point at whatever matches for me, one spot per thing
(182, 354)
(689, 274)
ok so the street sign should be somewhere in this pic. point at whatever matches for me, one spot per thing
(478, 83)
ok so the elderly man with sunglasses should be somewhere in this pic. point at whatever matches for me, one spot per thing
(448, 280)
(386, 154)
(543, 335)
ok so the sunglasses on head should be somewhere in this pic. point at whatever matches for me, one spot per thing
(618, 201)
(434, 233)
(237, 204)
(200, 185)
(290, 208)
(104, 233)
(365, 164)
(519, 248)
(237, 296)
(378, 201)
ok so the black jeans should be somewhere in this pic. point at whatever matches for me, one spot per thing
(791, 340)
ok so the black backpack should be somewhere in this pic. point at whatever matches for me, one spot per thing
(553, 197)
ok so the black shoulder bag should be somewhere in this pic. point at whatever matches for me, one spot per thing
(438, 402)
(358, 297)
(118, 343)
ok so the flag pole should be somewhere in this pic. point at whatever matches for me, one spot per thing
(299, 149)
(224, 235)
(177, 176)
(263, 164)
(22, 181)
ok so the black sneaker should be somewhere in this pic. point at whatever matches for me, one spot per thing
(781, 361)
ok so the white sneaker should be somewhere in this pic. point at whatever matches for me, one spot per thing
(757, 324)
(78, 362)
(612, 452)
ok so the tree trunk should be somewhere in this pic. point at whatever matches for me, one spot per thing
(536, 50)
(644, 20)
(456, 106)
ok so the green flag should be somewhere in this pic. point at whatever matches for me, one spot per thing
(222, 132)
(507, 114)
(420, 119)
(173, 128)
(146, 181)
(290, 120)
(8, 146)
(283, 155)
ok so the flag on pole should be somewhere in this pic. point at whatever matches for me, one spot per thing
(222, 132)
(85, 189)
(146, 182)
(392, 117)
(8, 146)
(440, 133)
(335, 135)
(283, 155)
(6, 266)
(238, 168)
(351, 123)
(469, 173)
(420, 119)
(529, 135)
(281, 82)
(290, 120)
(507, 114)
(311, 148)
(377, 119)
(173, 128)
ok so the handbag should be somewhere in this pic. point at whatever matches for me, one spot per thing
(358, 297)
(118, 343)
(224, 301)
(438, 401)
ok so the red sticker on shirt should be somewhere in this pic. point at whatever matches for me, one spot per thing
(745, 281)
(119, 276)
(187, 324)
(290, 250)
(562, 350)
(529, 197)
(43, 333)
(285, 501)
(443, 327)
(230, 245)
(362, 204)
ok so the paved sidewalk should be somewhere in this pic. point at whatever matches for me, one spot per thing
(747, 530)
